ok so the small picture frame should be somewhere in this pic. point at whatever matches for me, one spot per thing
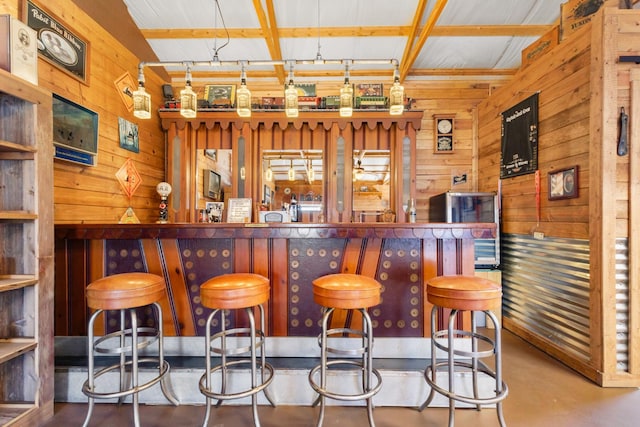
(214, 211)
(444, 138)
(239, 210)
(563, 184)
(128, 133)
(220, 96)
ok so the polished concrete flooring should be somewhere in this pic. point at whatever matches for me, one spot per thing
(542, 393)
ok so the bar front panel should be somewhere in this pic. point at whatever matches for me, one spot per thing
(400, 256)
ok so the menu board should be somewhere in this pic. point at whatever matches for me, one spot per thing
(239, 210)
(520, 139)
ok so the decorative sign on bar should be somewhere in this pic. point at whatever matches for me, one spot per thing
(520, 139)
(239, 210)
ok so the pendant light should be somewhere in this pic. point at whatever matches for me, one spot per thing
(243, 97)
(291, 97)
(346, 95)
(141, 99)
(188, 98)
(292, 173)
(396, 95)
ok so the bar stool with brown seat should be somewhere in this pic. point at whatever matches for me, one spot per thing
(348, 292)
(458, 294)
(235, 291)
(126, 292)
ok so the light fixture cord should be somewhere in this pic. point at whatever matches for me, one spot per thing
(318, 54)
(217, 49)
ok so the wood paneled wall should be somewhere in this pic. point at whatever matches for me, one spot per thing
(93, 194)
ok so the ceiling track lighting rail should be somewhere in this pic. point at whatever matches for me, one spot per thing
(188, 100)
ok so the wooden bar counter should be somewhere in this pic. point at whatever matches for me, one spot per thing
(400, 256)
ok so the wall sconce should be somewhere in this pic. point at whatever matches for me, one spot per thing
(396, 95)
(291, 97)
(346, 95)
(141, 99)
(188, 98)
(243, 97)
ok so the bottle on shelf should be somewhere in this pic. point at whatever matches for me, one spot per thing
(294, 209)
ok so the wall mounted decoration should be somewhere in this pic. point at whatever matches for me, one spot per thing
(75, 132)
(520, 139)
(56, 43)
(125, 87)
(444, 127)
(563, 184)
(222, 96)
(128, 133)
(129, 178)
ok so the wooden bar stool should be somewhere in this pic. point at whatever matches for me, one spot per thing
(459, 294)
(126, 292)
(231, 292)
(349, 292)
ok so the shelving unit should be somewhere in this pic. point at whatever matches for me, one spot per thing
(26, 253)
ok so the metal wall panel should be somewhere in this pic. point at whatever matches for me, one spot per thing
(546, 289)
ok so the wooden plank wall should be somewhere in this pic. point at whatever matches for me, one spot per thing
(92, 194)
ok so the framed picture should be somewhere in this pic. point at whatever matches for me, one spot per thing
(75, 131)
(239, 210)
(214, 211)
(563, 184)
(58, 44)
(128, 133)
(221, 96)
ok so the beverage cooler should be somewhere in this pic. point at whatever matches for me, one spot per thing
(469, 207)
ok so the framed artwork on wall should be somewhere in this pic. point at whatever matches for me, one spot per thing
(57, 44)
(75, 131)
(563, 184)
(128, 134)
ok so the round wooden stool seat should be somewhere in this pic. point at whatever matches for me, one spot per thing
(346, 291)
(125, 290)
(235, 290)
(464, 293)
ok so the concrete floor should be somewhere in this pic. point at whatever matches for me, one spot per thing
(542, 393)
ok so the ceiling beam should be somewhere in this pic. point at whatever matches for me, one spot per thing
(403, 31)
(417, 18)
(407, 61)
(270, 29)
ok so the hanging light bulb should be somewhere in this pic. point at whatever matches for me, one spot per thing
(243, 97)
(268, 175)
(291, 97)
(292, 173)
(188, 98)
(346, 95)
(141, 99)
(396, 95)
(311, 173)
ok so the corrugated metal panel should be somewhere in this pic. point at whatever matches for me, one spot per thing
(622, 304)
(546, 289)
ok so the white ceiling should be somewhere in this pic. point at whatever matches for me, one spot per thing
(476, 38)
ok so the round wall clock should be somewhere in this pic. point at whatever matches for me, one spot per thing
(444, 126)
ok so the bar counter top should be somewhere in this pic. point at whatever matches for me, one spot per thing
(274, 230)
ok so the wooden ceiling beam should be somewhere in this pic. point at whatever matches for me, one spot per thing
(417, 18)
(309, 32)
(408, 60)
(270, 29)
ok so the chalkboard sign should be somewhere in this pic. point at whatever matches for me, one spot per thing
(520, 139)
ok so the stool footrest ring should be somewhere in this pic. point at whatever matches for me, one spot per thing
(347, 397)
(499, 396)
(117, 394)
(268, 368)
(152, 335)
(443, 334)
(232, 351)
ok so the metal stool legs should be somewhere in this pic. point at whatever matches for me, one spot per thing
(256, 343)
(149, 335)
(475, 354)
(365, 364)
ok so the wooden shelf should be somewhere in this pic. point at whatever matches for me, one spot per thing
(13, 412)
(10, 348)
(16, 281)
(18, 215)
(7, 146)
